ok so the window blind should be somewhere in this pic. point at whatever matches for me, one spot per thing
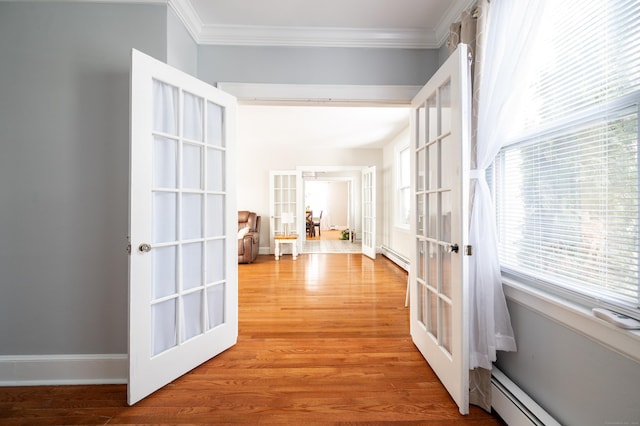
(566, 188)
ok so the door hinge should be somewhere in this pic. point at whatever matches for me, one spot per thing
(468, 250)
(129, 246)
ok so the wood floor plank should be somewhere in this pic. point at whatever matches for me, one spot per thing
(322, 340)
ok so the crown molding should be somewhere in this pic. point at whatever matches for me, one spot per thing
(317, 37)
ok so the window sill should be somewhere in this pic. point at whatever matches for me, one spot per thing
(576, 317)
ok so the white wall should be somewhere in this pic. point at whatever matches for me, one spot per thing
(393, 236)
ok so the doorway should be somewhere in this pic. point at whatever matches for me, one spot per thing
(329, 200)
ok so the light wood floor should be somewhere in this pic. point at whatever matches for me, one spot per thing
(323, 340)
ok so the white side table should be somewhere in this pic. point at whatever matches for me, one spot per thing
(286, 239)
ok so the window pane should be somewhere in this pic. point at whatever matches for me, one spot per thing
(566, 189)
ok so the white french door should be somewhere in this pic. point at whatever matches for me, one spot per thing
(369, 212)
(287, 215)
(183, 278)
(440, 124)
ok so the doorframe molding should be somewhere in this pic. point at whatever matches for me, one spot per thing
(321, 94)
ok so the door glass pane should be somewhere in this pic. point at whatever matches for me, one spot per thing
(215, 170)
(164, 217)
(432, 269)
(421, 210)
(434, 169)
(165, 108)
(447, 180)
(433, 215)
(215, 305)
(164, 271)
(215, 261)
(165, 155)
(432, 307)
(191, 166)
(422, 127)
(192, 315)
(446, 208)
(214, 125)
(432, 118)
(191, 265)
(163, 326)
(445, 108)
(422, 304)
(421, 165)
(215, 215)
(447, 317)
(191, 216)
(192, 118)
(446, 272)
(422, 260)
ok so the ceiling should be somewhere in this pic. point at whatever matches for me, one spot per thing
(419, 24)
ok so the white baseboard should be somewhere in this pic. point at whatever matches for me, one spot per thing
(38, 370)
(514, 406)
(395, 257)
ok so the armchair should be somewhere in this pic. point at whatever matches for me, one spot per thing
(248, 236)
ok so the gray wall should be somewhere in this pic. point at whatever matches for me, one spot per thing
(576, 380)
(298, 65)
(64, 172)
(182, 50)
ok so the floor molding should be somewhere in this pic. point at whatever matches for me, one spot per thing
(37, 370)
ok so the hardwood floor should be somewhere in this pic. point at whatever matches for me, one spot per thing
(323, 340)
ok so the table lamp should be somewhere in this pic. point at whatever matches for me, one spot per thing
(286, 218)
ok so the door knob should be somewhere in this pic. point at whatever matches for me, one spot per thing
(453, 248)
(144, 247)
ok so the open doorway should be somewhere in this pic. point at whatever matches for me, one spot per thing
(330, 205)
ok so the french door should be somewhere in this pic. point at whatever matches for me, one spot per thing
(440, 124)
(369, 212)
(183, 278)
(286, 213)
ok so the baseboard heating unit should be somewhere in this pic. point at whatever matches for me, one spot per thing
(514, 406)
(395, 257)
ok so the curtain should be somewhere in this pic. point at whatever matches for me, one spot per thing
(507, 58)
(501, 38)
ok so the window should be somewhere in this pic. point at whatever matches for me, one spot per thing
(403, 186)
(566, 188)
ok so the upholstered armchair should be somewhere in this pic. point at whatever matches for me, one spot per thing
(248, 236)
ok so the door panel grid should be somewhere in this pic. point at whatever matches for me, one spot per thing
(183, 274)
(188, 170)
(439, 169)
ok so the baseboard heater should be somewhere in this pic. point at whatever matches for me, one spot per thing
(395, 257)
(514, 406)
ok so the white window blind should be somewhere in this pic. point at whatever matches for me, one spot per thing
(566, 187)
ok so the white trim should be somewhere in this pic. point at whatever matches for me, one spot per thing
(245, 35)
(578, 318)
(38, 370)
(320, 94)
(514, 406)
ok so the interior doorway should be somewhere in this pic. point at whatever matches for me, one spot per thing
(330, 198)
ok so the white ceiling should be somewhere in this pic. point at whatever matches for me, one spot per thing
(327, 23)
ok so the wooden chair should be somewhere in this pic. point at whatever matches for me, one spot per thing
(316, 223)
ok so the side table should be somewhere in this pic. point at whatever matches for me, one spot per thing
(286, 239)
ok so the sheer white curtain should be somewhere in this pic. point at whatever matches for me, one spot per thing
(506, 58)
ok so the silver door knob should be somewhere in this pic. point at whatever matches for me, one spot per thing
(144, 248)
